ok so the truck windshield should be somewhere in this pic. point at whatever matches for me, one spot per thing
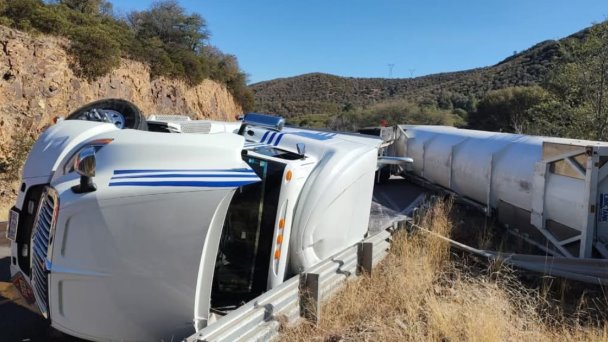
(243, 259)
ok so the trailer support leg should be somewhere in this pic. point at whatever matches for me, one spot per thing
(310, 297)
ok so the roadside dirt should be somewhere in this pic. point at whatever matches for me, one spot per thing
(8, 195)
(19, 320)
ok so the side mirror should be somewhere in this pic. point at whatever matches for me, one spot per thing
(85, 165)
(301, 149)
(275, 123)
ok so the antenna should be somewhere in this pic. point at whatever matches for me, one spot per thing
(411, 72)
(390, 70)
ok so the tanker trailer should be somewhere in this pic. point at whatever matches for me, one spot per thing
(551, 191)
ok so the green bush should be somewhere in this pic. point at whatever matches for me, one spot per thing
(20, 12)
(49, 20)
(508, 109)
(188, 66)
(403, 112)
(97, 53)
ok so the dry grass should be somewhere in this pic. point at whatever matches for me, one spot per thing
(5, 206)
(423, 292)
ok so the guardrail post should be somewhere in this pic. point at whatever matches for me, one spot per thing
(310, 297)
(365, 257)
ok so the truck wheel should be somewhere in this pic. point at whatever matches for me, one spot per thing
(121, 113)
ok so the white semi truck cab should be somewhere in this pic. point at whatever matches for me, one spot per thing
(127, 231)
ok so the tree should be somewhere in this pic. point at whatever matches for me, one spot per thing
(508, 109)
(581, 82)
(88, 6)
(168, 21)
(20, 12)
(97, 53)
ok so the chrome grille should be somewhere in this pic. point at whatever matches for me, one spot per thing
(41, 244)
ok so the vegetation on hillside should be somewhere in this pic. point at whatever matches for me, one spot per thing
(322, 93)
(556, 88)
(422, 292)
(382, 114)
(508, 109)
(173, 42)
(572, 102)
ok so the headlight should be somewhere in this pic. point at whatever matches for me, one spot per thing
(96, 144)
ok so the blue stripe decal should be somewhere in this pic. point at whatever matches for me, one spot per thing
(178, 175)
(271, 137)
(311, 135)
(227, 184)
(122, 172)
(276, 143)
(264, 136)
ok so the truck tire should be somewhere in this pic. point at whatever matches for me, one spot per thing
(133, 117)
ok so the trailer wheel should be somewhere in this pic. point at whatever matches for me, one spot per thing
(121, 113)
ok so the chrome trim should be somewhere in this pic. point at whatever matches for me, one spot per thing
(42, 247)
(85, 163)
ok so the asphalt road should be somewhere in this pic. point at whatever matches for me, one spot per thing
(20, 322)
(392, 202)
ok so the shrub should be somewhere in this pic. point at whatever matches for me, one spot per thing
(20, 12)
(403, 112)
(97, 53)
(49, 20)
(507, 109)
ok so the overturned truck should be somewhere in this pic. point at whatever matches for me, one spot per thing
(125, 230)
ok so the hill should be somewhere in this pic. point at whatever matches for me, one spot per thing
(323, 93)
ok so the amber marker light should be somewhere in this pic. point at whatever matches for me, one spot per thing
(277, 254)
(280, 239)
(288, 175)
(101, 141)
(282, 223)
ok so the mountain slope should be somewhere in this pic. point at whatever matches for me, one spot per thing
(323, 93)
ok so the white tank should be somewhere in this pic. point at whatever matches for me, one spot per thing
(551, 190)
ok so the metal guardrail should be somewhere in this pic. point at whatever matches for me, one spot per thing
(3, 227)
(261, 318)
(591, 271)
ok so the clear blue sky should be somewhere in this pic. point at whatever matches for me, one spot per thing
(359, 38)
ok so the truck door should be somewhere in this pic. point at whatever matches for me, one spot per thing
(244, 254)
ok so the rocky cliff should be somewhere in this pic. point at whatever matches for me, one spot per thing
(37, 84)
